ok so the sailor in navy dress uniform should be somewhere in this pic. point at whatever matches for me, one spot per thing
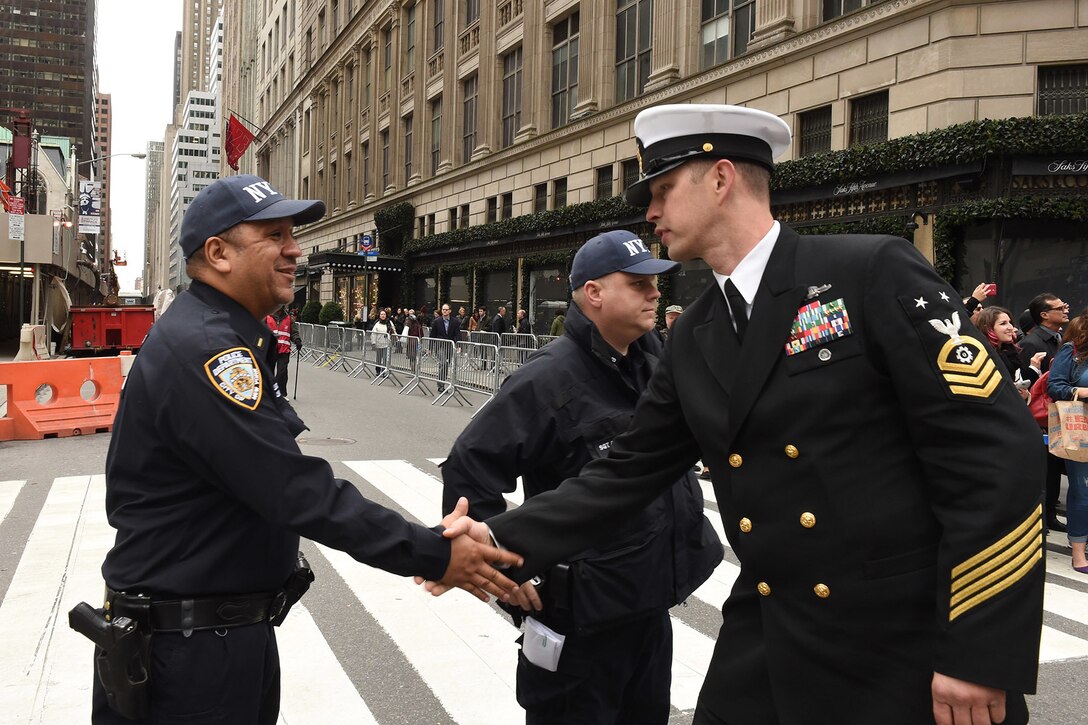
(858, 433)
(206, 486)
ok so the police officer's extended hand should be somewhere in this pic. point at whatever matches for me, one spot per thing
(957, 702)
(527, 597)
(472, 559)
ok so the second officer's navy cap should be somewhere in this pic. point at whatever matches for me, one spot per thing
(236, 199)
(670, 135)
(617, 251)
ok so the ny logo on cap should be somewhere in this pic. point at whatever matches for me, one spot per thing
(635, 247)
(258, 190)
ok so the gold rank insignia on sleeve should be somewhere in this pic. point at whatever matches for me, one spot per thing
(236, 375)
(998, 566)
(964, 363)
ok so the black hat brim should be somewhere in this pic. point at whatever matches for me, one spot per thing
(653, 266)
(638, 193)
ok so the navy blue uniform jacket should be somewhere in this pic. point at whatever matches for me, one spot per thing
(205, 483)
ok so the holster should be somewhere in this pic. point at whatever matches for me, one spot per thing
(296, 585)
(122, 659)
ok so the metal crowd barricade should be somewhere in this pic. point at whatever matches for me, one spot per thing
(517, 339)
(321, 345)
(475, 369)
(334, 340)
(485, 338)
(510, 359)
(380, 347)
(404, 360)
(542, 340)
(306, 334)
(435, 364)
(353, 353)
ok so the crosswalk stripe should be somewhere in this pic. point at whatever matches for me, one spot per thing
(692, 649)
(47, 665)
(9, 491)
(434, 633)
(315, 687)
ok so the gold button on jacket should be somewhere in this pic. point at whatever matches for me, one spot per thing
(822, 591)
(764, 588)
(735, 460)
(808, 520)
(792, 452)
(745, 525)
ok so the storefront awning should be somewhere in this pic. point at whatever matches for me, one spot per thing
(861, 186)
(346, 261)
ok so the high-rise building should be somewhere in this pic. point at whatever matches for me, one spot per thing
(199, 18)
(195, 152)
(497, 136)
(102, 146)
(154, 272)
(47, 53)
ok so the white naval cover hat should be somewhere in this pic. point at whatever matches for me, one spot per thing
(669, 135)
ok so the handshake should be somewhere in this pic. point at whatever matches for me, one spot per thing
(474, 560)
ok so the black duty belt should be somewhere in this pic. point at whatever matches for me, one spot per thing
(189, 615)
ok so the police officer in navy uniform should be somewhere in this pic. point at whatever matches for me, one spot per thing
(551, 416)
(858, 432)
(208, 490)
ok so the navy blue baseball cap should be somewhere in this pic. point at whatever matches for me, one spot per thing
(618, 251)
(236, 199)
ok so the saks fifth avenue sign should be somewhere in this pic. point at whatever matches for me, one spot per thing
(854, 187)
(1050, 173)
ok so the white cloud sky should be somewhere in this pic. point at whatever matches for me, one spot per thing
(135, 41)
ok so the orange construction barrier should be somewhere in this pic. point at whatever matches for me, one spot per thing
(59, 398)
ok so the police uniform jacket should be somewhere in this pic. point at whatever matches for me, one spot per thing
(558, 411)
(205, 483)
(863, 480)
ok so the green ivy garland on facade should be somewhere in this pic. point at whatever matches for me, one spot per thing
(958, 144)
(394, 225)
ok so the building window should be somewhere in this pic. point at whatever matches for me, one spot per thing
(332, 186)
(718, 16)
(540, 198)
(560, 193)
(410, 40)
(407, 148)
(464, 215)
(349, 87)
(321, 30)
(349, 179)
(492, 209)
(634, 43)
(507, 205)
(468, 137)
(511, 96)
(439, 22)
(629, 173)
(366, 169)
(604, 182)
(366, 79)
(436, 134)
(835, 8)
(564, 69)
(421, 227)
(430, 224)
(385, 159)
(1063, 89)
(815, 131)
(453, 218)
(869, 119)
(387, 56)
(306, 131)
(472, 12)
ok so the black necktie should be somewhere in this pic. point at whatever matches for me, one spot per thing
(738, 308)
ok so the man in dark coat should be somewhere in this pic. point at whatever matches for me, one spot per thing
(553, 415)
(857, 430)
(446, 327)
(1049, 314)
(498, 322)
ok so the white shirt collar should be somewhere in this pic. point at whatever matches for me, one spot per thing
(746, 277)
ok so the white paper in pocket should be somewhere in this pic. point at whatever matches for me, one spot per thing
(542, 645)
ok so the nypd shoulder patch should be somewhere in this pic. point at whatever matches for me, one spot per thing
(236, 375)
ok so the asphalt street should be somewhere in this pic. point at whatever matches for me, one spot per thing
(354, 623)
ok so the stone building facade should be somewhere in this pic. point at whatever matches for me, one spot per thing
(465, 117)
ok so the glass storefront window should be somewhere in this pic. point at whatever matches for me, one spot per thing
(358, 300)
(495, 292)
(459, 292)
(424, 293)
(687, 284)
(549, 291)
(343, 293)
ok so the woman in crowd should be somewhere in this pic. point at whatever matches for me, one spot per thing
(996, 323)
(383, 329)
(1069, 381)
